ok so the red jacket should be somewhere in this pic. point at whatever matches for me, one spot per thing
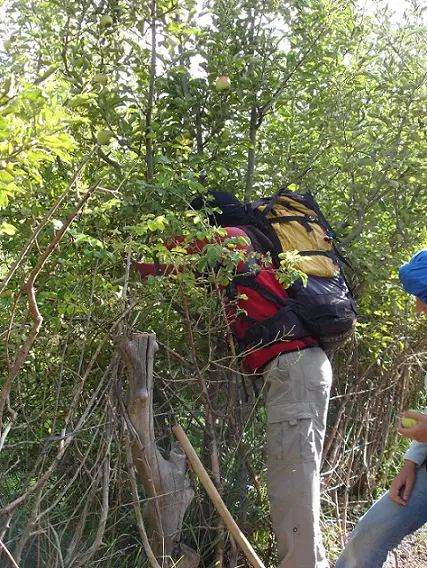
(242, 313)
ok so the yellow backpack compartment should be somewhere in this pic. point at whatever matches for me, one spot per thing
(299, 228)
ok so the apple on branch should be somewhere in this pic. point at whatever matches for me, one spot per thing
(222, 83)
(100, 78)
(104, 137)
(106, 21)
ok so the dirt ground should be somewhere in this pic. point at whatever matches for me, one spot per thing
(412, 553)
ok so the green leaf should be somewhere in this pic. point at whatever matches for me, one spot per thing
(7, 229)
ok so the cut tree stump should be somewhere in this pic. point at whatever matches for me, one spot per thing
(165, 483)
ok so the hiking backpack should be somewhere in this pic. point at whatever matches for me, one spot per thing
(325, 305)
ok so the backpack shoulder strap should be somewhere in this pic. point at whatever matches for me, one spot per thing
(269, 203)
(315, 206)
(264, 240)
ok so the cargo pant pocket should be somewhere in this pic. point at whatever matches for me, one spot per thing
(291, 433)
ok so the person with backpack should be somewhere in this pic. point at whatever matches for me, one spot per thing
(276, 343)
(403, 509)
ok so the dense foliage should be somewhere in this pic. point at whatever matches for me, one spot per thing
(323, 97)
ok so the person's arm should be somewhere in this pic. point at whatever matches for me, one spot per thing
(196, 246)
(417, 452)
(149, 269)
(402, 484)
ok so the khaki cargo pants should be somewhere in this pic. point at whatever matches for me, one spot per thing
(297, 389)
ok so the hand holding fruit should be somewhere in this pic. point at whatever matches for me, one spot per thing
(413, 425)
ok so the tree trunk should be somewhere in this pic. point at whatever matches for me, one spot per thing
(168, 490)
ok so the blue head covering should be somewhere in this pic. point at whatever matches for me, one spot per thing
(413, 275)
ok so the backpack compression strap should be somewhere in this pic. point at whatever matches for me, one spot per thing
(248, 281)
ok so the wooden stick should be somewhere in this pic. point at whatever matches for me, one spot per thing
(216, 499)
(8, 554)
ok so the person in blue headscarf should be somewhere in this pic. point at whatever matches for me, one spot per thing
(413, 276)
(403, 509)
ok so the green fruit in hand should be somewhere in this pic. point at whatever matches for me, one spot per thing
(408, 422)
(104, 136)
(100, 78)
(106, 21)
(222, 83)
